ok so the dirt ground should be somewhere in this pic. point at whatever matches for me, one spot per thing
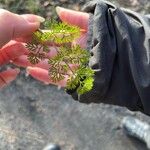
(33, 115)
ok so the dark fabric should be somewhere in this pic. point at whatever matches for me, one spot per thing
(119, 42)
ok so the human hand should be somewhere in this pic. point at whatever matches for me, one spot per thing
(14, 29)
(40, 71)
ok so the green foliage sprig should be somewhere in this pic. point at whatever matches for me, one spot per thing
(57, 34)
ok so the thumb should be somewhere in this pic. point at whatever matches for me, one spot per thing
(13, 26)
(77, 18)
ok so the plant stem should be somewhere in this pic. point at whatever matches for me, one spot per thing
(64, 61)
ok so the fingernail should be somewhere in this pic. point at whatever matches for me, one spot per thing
(40, 19)
(58, 9)
(12, 75)
(28, 70)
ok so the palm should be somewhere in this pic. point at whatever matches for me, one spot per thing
(40, 71)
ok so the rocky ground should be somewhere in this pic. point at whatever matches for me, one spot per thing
(33, 115)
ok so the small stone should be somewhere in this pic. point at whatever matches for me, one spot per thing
(52, 147)
(63, 1)
(47, 3)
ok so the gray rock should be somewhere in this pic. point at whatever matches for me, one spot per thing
(32, 115)
(52, 147)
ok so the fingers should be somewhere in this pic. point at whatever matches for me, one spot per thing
(23, 61)
(82, 41)
(26, 24)
(11, 51)
(43, 75)
(80, 19)
(33, 18)
(8, 76)
(16, 26)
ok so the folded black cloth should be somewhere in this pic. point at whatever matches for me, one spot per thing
(119, 41)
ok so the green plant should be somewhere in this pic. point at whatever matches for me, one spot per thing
(57, 34)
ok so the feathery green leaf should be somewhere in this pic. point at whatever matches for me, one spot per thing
(80, 77)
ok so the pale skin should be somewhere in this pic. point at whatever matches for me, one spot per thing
(40, 71)
(17, 29)
(14, 29)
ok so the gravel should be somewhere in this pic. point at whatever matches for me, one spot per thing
(33, 115)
